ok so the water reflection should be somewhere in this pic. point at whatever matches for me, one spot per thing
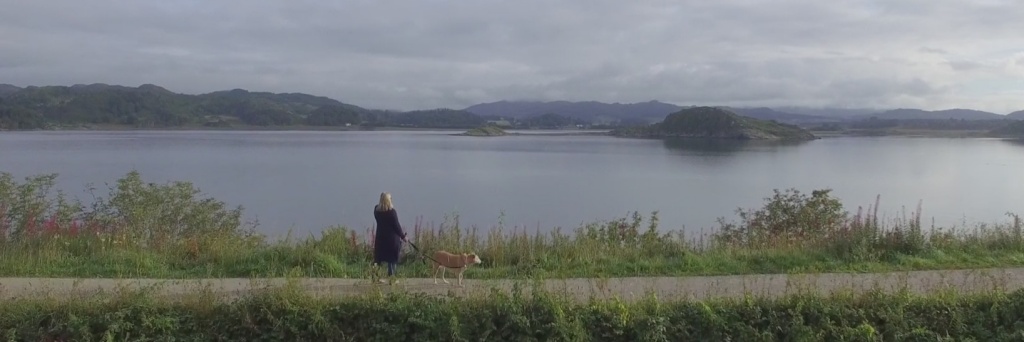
(698, 146)
(1015, 141)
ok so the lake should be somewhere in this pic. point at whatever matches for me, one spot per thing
(306, 181)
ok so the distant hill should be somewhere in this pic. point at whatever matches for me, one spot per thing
(1018, 115)
(552, 121)
(19, 118)
(765, 113)
(266, 109)
(7, 89)
(592, 111)
(151, 106)
(641, 112)
(295, 102)
(717, 123)
(146, 105)
(918, 114)
(436, 118)
(829, 112)
(334, 115)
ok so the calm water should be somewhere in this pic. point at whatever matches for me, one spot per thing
(310, 180)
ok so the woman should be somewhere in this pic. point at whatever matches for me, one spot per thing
(388, 243)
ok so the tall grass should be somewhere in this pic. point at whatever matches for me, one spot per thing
(289, 314)
(170, 230)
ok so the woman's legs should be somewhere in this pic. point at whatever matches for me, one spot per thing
(391, 269)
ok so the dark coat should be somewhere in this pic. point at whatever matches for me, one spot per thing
(388, 242)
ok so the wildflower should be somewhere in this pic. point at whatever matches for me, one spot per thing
(51, 227)
(73, 229)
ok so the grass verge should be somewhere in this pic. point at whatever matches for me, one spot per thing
(142, 229)
(289, 314)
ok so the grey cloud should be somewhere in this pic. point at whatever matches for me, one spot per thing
(926, 49)
(965, 65)
(416, 54)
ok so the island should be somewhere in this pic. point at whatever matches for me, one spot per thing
(485, 131)
(715, 123)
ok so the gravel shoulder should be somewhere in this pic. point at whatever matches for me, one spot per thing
(770, 285)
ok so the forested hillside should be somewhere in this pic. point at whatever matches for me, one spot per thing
(150, 106)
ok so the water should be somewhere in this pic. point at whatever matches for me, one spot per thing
(306, 181)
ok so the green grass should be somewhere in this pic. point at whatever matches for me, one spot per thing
(171, 231)
(290, 314)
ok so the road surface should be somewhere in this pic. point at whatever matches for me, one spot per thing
(772, 285)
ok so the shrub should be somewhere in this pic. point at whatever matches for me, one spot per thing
(145, 215)
(787, 217)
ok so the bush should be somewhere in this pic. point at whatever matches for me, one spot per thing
(136, 213)
(819, 223)
(787, 217)
(290, 315)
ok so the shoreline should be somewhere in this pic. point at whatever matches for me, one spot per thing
(541, 132)
(909, 133)
(114, 128)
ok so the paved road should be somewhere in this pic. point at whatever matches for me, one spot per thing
(1003, 279)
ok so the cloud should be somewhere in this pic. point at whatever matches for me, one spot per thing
(434, 53)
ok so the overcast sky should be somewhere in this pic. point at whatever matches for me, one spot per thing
(931, 54)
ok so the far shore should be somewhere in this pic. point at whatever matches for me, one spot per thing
(924, 133)
(101, 128)
(927, 133)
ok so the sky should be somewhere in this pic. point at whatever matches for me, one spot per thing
(417, 54)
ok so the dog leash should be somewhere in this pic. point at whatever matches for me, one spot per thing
(427, 256)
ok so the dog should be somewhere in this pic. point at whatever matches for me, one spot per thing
(444, 260)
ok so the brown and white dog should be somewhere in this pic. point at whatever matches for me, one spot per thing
(444, 260)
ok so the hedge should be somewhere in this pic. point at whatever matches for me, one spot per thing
(295, 316)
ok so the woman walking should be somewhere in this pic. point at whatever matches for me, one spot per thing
(388, 243)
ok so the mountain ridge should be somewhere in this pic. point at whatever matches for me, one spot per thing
(918, 114)
(651, 111)
(150, 105)
(6, 89)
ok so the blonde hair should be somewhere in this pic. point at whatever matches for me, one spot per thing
(385, 202)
